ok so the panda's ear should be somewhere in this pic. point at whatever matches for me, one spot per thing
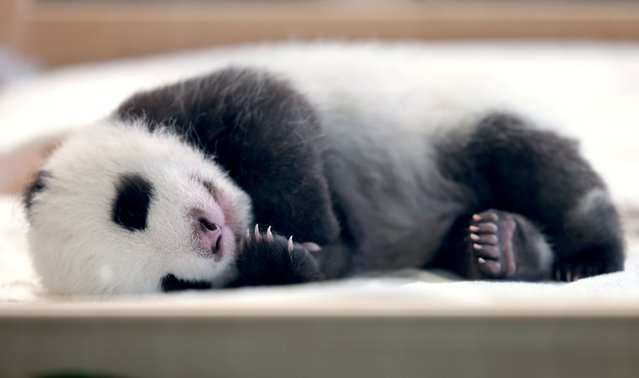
(38, 184)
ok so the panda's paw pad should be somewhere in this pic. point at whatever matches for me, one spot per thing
(490, 240)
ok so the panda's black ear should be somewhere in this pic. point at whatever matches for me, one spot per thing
(38, 184)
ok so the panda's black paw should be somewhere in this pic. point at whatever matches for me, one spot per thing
(587, 264)
(265, 258)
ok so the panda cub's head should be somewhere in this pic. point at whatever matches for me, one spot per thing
(119, 209)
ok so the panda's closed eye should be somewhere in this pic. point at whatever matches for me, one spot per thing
(131, 205)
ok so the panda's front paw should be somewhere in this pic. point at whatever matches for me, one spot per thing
(266, 258)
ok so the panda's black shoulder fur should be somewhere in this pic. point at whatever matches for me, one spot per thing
(259, 129)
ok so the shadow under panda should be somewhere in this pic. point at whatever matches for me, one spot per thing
(168, 194)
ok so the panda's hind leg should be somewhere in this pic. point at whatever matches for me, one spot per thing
(538, 182)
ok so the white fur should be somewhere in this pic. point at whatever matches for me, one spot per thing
(397, 153)
(78, 249)
(390, 130)
(368, 96)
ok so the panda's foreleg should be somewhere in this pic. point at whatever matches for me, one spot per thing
(546, 196)
(267, 258)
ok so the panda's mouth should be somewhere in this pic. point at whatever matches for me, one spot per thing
(171, 283)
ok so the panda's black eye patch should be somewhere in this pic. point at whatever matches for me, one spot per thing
(131, 205)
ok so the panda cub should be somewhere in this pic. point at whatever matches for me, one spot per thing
(236, 179)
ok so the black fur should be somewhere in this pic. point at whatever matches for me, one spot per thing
(37, 185)
(171, 283)
(131, 205)
(510, 165)
(264, 133)
(267, 136)
(270, 262)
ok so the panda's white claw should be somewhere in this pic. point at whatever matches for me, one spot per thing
(269, 235)
(290, 244)
(256, 233)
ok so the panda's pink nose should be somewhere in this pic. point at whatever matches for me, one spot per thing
(210, 234)
(209, 227)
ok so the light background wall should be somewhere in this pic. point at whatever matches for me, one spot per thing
(59, 32)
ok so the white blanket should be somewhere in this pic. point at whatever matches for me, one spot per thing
(589, 91)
